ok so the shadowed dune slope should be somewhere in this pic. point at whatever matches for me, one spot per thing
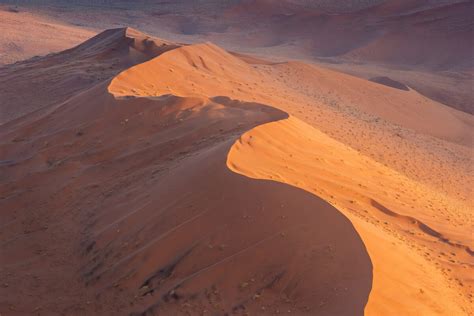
(206, 69)
(351, 110)
(40, 82)
(421, 33)
(422, 259)
(390, 83)
(155, 192)
(406, 25)
(140, 215)
(26, 34)
(424, 44)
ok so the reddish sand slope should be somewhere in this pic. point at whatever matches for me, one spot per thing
(450, 88)
(25, 35)
(415, 252)
(352, 110)
(152, 221)
(39, 83)
(424, 44)
(430, 34)
(189, 73)
(189, 184)
(408, 32)
(123, 206)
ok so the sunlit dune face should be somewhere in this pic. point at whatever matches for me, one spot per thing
(143, 176)
(392, 213)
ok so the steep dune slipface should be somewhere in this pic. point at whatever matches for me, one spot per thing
(38, 83)
(419, 210)
(140, 214)
(351, 110)
(426, 43)
(205, 69)
(422, 261)
(125, 198)
(212, 240)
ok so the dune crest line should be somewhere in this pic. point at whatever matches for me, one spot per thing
(292, 152)
(185, 179)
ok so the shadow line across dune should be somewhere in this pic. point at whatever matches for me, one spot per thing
(279, 247)
(155, 222)
(143, 213)
(229, 243)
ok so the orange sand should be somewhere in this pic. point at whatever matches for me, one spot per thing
(197, 181)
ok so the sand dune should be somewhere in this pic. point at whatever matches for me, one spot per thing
(223, 74)
(349, 109)
(168, 248)
(190, 180)
(39, 83)
(390, 32)
(449, 88)
(421, 43)
(25, 35)
(418, 270)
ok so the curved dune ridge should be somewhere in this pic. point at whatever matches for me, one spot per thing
(147, 219)
(410, 259)
(190, 184)
(25, 89)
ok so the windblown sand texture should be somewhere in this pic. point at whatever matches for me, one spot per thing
(140, 176)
